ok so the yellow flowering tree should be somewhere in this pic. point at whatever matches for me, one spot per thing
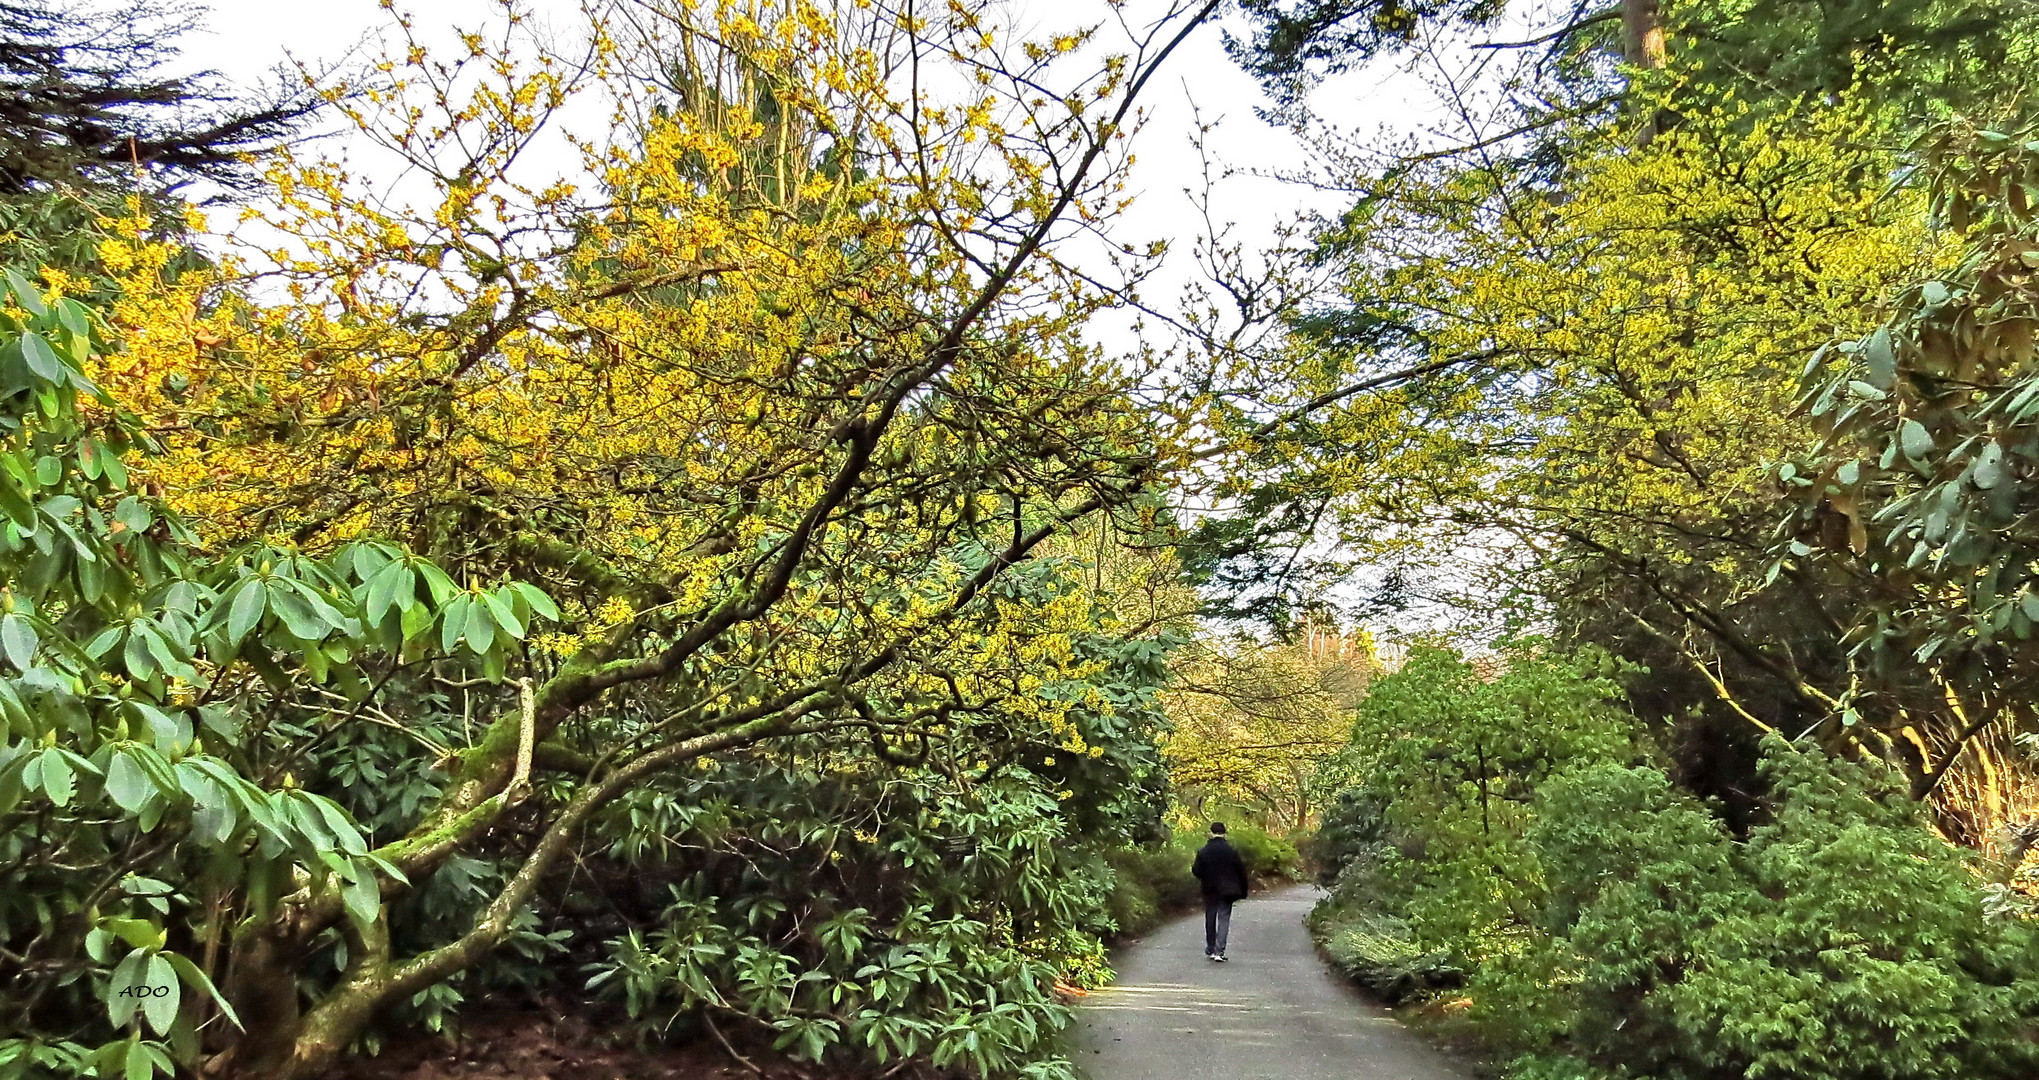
(1616, 344)
(1251, 722)
(773, 392)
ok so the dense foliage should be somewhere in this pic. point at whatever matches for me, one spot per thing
(1731, 331)
(719, 581)
(1603, 923)
(739, 663)
(1841, 939)
(162, 701)
(1249, 721)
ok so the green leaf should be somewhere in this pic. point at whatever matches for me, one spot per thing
(321, 605)
(18, 639)
(138, 933)
(540, 603)
(195, 979)
(166, 731)
(161, 1007)
(141, 664)
(215, 818)
(250, 599)
(41, 358)
(481, 628)
(505, 619)
(367, 559)
(1916, 440)
(442, 587)
(133, 514)
(126, 784)
(391, 585)
(309, 822)
(91, 576)
(1989, 467)
(26, 294)
(1881, 359)
(120, 1008)
(182, 598)
(138, 1063)
(345, 836)
(156, 766)
(57, 776)
(15, 712)
(453, 623)
(362, 895)
(73, 317)
(296, 612)
(416, 621)
(388, 868)
(165, 654)
(16, 505)
(12, 783)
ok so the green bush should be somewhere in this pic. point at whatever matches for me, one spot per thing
(1842, 941)
(1512, 829)
(1376, 950)
(938, 933)
(1149, 884)
(1354, 828)
(1269, 858)
(1460, 757)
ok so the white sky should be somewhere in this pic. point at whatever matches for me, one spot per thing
(247, 39)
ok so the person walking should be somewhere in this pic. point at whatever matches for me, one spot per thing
(1222, 875)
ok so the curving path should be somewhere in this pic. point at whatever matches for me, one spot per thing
(1272, 1013)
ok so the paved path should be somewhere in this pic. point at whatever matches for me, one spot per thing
(1272, 1013)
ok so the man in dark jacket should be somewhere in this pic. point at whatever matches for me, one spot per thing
(1222, 874)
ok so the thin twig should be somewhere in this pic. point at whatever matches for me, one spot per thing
(708, 1018)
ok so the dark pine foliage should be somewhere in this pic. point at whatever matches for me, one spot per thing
(86, 91)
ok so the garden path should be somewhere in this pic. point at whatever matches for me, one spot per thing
(1272, 1013)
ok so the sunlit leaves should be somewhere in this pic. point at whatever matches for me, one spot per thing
(1250, 722)
(115, 629)
(739, 390)
(1932, 475)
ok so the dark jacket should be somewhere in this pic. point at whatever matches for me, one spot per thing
(1220, 870)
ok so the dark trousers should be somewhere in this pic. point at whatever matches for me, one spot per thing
(1217, 925)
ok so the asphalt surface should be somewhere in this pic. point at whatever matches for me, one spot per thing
(1272, 1013)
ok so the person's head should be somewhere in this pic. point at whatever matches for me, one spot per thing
(1217, 828)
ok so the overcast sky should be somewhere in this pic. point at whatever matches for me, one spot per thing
(247, 39)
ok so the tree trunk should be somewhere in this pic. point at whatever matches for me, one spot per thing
(1642, 33)
(291, 1045)
(261, 983)
(299, 1047)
